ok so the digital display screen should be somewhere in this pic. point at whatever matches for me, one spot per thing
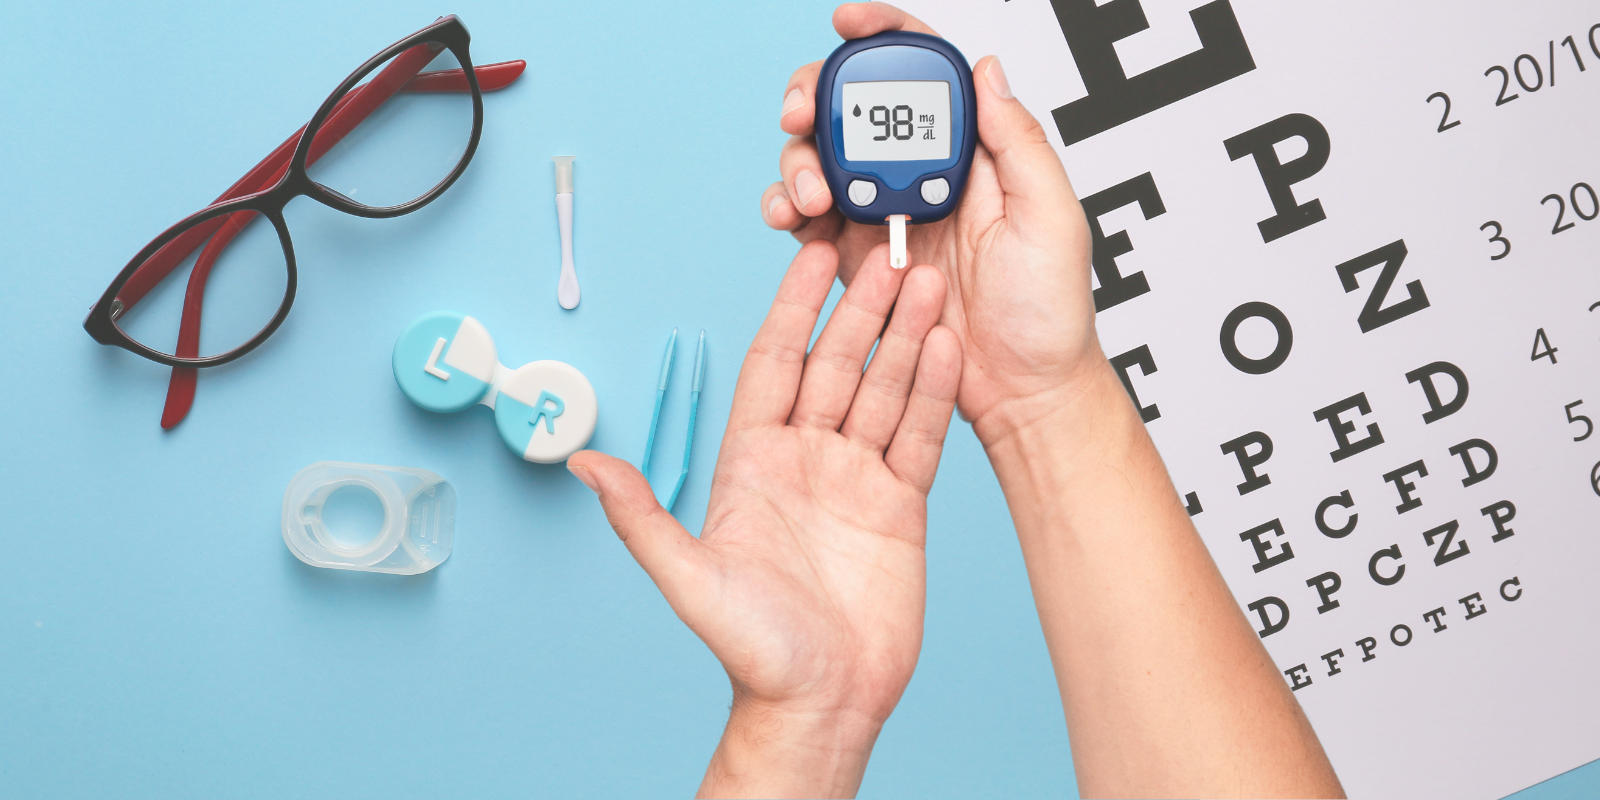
(897, 121)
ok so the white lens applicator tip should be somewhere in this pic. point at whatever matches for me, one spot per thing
(567, 290)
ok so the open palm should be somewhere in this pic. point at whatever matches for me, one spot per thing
(808, 580)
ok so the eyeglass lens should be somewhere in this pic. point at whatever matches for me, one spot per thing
(243, 275)
(407, 145)
(402, 148)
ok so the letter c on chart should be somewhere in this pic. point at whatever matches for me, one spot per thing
(1341, 499)
(1512, 582)
(1392, 551)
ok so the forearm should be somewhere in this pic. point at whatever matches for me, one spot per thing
(766, 752)
(1167, 689)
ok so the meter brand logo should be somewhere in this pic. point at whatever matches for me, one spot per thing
(1092, 32)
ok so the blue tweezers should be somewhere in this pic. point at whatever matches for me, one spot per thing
(694, 407)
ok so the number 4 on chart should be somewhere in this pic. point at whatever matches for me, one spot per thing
(1549, 351)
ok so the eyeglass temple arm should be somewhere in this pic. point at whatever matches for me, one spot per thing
(349, 112)
(346, 117)
(491, 77)
(343, 119)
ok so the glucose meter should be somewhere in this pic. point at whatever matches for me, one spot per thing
(896, 127)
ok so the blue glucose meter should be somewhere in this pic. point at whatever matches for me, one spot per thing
(896, 128)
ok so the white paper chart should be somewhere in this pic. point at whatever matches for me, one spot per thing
(1346, 260)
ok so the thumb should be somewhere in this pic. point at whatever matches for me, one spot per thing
(668, 554)
(1025, 164)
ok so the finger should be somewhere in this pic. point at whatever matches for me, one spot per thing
(1025, 164)
(669, 555)
(802, 177)
(778, 211)
(914, 453)
(799, 115)
(881, 400)
(851, 238)
(780, 214)
(859, 20)
(770, 377)
(833, 370)
(855, 241)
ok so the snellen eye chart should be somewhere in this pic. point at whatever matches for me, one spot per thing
(1347, 262)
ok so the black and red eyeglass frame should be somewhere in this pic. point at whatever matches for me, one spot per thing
(279, 178)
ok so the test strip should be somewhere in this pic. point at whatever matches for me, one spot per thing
(897, 240)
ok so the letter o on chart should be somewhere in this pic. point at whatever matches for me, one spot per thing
(1394, 635)
(1230, 344)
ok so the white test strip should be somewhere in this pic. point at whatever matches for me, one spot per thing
(897, 240)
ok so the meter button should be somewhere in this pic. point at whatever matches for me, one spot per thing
(862, 193)
(936, 191)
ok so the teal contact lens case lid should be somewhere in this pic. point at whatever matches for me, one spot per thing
(446, 362)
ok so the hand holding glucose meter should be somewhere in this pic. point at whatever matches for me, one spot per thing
(896, 127)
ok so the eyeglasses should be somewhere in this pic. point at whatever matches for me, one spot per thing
(421, 130)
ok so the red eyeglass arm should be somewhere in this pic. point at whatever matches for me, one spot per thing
(491, 77)
(350, 111)
(399, 76)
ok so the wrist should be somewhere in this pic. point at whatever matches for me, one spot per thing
(768, 751)
(1077, 460)
(1047, 444)
(1092, 391)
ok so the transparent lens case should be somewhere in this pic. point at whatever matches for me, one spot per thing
(419, 511)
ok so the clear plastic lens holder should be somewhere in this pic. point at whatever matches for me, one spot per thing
(419, 512)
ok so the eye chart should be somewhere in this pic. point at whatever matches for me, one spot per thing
(1347, 262)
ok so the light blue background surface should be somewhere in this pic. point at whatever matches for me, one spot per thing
(156, 637)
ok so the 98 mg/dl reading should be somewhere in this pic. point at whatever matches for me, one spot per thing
(879, 115)
(883, 122)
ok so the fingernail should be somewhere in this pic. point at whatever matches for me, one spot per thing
(807, 186)
(585, 476)
(793, 100)
(774, 204)
(997, 80)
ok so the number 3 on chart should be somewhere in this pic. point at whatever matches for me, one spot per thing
(1505, 244)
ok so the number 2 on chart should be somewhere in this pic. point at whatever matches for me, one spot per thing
(1445, 123)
